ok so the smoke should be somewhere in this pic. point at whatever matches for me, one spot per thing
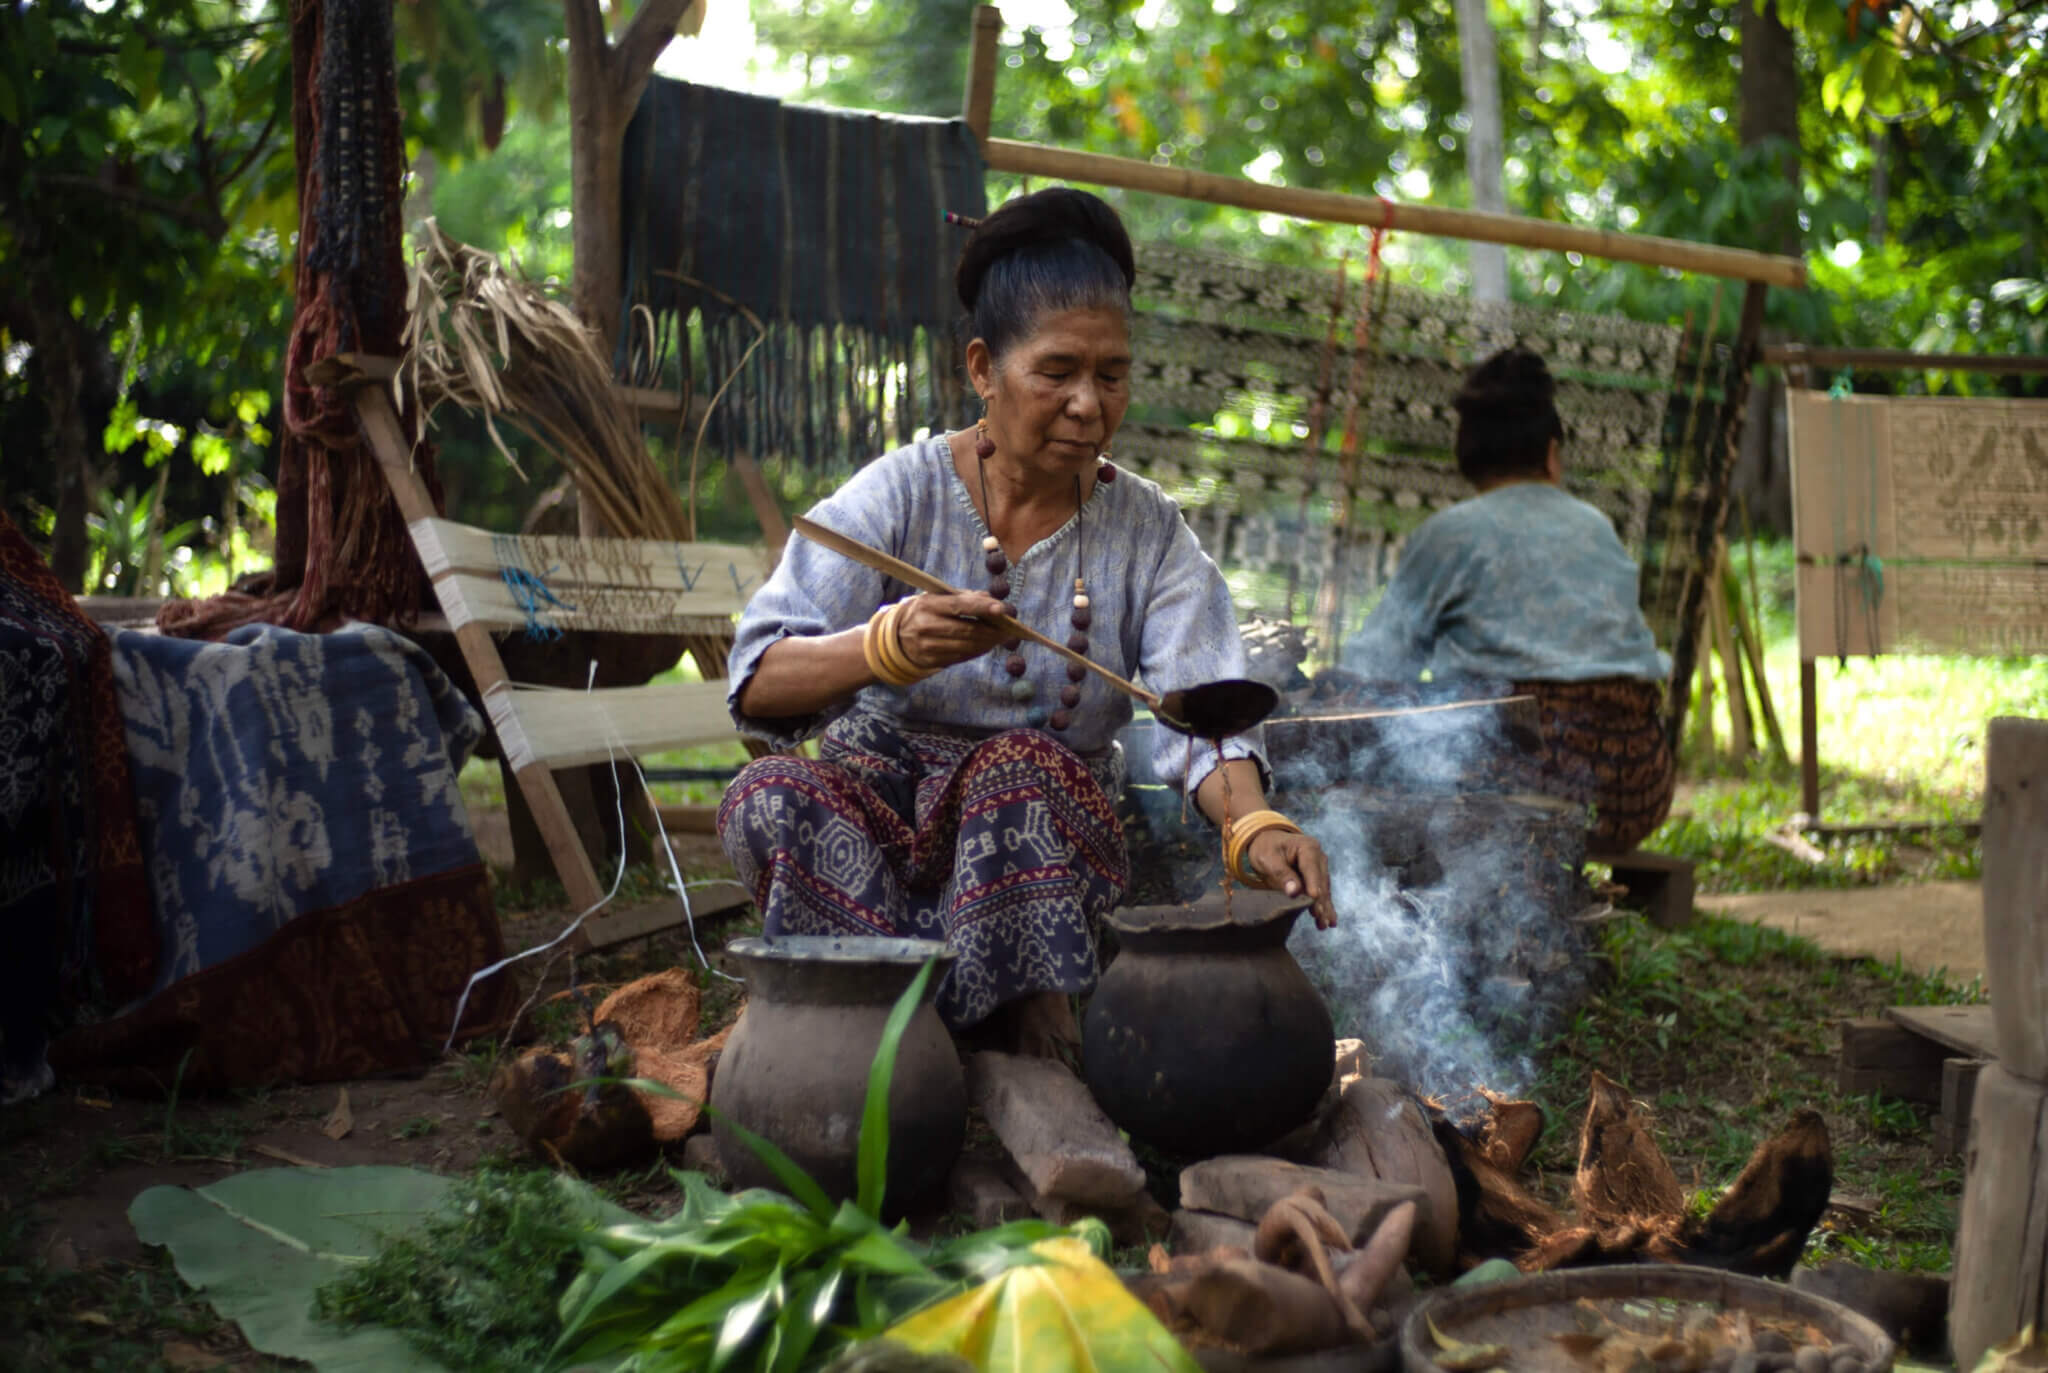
(1452, 954)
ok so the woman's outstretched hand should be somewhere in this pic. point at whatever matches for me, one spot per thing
(1295, 864)
(939, 631)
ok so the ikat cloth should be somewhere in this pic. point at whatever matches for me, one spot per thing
(1523, 582)
(1161, 611)
(279, 773)
(1005, 847)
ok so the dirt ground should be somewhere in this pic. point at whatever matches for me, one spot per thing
(1929, 926)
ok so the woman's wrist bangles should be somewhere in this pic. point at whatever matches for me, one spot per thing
(1237, 842)
(882, 646)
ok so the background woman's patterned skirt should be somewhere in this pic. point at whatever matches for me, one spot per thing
(1604, 746)
(1005, 846)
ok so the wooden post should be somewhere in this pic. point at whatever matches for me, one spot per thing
(2001, 1282)
(1740, 735)
(981, 70)
(1809, 740)
(2016, 892)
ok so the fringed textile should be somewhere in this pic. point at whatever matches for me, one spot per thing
(342, 547)
(1006, 846)
(818, 235)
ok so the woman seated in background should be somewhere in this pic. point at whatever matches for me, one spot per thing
(965, 788)
(1527, 584)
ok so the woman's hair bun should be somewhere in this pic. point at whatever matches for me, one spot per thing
(1043, 217)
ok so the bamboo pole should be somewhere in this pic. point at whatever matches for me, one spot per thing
(1903, 360)
(980, 101)
(1337, 207)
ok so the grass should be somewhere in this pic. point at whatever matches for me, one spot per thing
(1724, 1029)
(1901, 740)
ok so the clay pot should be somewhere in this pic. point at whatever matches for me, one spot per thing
(1205, 1037)
(796, 1068)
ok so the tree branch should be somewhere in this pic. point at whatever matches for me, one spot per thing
(653, 25)
(204, 219)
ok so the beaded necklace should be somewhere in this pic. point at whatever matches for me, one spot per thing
(999, 587)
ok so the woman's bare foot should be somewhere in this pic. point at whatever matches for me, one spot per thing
(1042, 1026)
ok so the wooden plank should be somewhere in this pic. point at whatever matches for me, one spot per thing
(1337, 207)
(2003, 1236)
(1798, 355)
(565, 728)
(688, 819)
(122, 611)
(1966, 1030)
(1884, 1059)
(2016, 892)
(637, 922)
(1958, 1095)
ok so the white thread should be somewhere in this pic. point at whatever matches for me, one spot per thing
(454, 604)
(512, 741)
(433, 553)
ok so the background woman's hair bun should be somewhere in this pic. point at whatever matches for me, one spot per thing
(1043, 217)
(1514, 377)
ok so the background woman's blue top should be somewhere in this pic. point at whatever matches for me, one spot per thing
(1523, 583)
(1161, 613)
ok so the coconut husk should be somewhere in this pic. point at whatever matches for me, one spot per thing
(1623, 1176)
(659, 1011)
(687, 1073)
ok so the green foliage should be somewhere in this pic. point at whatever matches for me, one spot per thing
(766, 1279)
(473, 1286)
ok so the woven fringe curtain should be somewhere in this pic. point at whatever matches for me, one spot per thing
(812, 249)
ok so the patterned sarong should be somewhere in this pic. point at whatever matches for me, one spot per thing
(1006, 846)
(1604, 745)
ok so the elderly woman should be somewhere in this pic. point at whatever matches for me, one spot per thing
(965, 788)
(1526, 584)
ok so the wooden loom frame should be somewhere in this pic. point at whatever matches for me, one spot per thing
(1796, 360)
(1759, 272)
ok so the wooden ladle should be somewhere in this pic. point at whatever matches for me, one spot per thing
(1213, 710)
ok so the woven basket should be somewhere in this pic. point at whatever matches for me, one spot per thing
(1522, 1313)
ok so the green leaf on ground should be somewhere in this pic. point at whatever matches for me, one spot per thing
(259, 1244)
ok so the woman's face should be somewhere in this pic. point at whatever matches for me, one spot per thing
(1055, 399)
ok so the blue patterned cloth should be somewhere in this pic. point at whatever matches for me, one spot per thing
(1525, 582)
(1161, 611)
(279, 773)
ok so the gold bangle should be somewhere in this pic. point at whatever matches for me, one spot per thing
(875, 644)
(893, 653)
(1238, 835)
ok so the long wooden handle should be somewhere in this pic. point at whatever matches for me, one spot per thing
(912, 576)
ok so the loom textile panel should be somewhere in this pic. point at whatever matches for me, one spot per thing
(1949, 495)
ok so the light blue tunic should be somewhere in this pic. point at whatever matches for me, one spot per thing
(1161, 613)
(1523, 583)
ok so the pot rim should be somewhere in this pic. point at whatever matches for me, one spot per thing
(1249, 909)
(845, 950)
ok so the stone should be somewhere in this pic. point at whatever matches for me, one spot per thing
(1379, 1131)
(1197, 1232)
(1141, 1220)
(976, 1189)
(700, 1155)
(1061, 1142)
(1245, 1186)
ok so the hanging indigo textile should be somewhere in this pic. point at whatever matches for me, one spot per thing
(821, 234)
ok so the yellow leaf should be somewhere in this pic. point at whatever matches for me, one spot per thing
(1069, 1314)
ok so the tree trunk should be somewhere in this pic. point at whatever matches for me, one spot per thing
(1480, 70)
(1769, 95)
(62, 346)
